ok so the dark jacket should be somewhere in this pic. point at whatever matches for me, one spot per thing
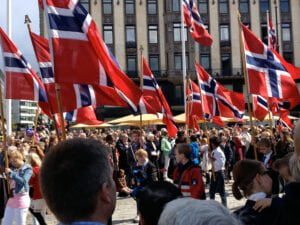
(152, 147)
(123, 155)
(145, 174)
(251, 217)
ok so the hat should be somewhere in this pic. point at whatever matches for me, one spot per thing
(284, 161)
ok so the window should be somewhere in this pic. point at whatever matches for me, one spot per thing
(154, 62)
(244, 6)
(223, 7)
(153, 34)
(131, 65)
(264, 33)
(203, 6)
(286, 32)
(107, 7)
(264, 5)
(108, 34)
(226, 64)
(152, 7)
(86, 4)
(176, 5)
(178, 61)
(284, 6)
(178, 92)
(224, 32)
(177, 32)
(288, 56)
(130, 33)
(205, 61)
(129, 7)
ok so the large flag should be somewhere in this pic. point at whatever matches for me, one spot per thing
(79, 53)
(260, 107)
(268, 69)
(73, 96)
(194, 22)
(151, 89)
(193, 104)
(21, 81)
(217, 100)
(85, 115)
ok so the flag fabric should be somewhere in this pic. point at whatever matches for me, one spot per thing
(79, 53)
(21, 81)
(260, 107)
(73, 96)
(193, 104)
(160, 104)
(217, 100)
(195, 24)
(268, 69)
(272, 39)
(284, 121)
(85, 115)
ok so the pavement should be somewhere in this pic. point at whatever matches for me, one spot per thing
(126, 209)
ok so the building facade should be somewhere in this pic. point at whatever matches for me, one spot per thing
(154, 25)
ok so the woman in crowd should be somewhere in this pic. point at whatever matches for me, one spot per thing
(152, 150)
(38, 204)
(165, 148)
(251, 178)
(19, 201)
(285, 144)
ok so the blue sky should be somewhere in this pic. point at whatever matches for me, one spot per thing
(20, 36)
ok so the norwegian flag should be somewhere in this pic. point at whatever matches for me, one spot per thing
(268, 69)
(21, 83)
(73, 96)
(78, 50)
(194, 22)
(284, 121)
(160, 104)
(279, 106)
(85, 115)
(193, 104)
(272, 39)
(260, 107)
(217, 100)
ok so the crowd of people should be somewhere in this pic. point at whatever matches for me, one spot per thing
(78, 179)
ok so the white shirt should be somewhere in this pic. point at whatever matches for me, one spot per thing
(267, 158)
(219, 163)
(257, 196)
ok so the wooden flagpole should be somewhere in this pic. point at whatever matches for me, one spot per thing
(141, 83)
(37, 113)
(246, 82)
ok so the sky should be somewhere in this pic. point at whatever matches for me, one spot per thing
(20, 35)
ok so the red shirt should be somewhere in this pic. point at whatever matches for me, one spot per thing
(35, 183)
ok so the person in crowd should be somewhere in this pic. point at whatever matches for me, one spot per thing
(281, 165)
(285, 144)
(77, 182)
(205, 163)
(152, 150)
(165, 148)
(245, 138)
(187, 176)
(19, 200)
(196, 212)
(195, 150)
(123, 148)
(152, 199)
(251, 177)
(226, 147)
(238, 146)
(218, 159)
(38, 204)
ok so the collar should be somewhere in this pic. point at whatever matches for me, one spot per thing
(257, 196)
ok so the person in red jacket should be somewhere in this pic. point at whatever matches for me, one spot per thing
(187, 176)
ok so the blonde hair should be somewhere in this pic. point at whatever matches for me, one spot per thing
(34, 160)
(141, 153)
(16, 155)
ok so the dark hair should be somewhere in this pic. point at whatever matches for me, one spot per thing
(193, 138)
(72, 174)
(152, 199)
(185, 149)
(215, 140)
(264, 142)
(244, 171)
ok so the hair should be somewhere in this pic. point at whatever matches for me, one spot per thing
(264, 142)
(193, 138)
(138, 132)
(283, 162)
(16, 154)
(149, 136)
(244, 171)
(185, 149)
(141, 153)
(196, 212)
(72, 174)
(152, 199)
(294, 166)
(287, 136)
(34, 160)
(164, 132)
(215, 140)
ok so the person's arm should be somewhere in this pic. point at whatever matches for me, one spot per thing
(21, 180)
(196, 183)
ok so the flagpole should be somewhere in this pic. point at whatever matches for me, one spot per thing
(57, 86)
(184, 73)
(28, 22)
(246, 81)
(8, 103)
(141, 83)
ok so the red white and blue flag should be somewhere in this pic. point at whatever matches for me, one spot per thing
(272, 39)
(193, 104)
(21, 81)
(160, 104)
(260, 107)
(85, 115)
(80, 56)
(268, 73)
(194, 22)
(217, 100)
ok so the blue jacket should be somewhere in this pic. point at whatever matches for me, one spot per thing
(195, 153)
(21, 177)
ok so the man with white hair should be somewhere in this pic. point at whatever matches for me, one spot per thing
(196, 212)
